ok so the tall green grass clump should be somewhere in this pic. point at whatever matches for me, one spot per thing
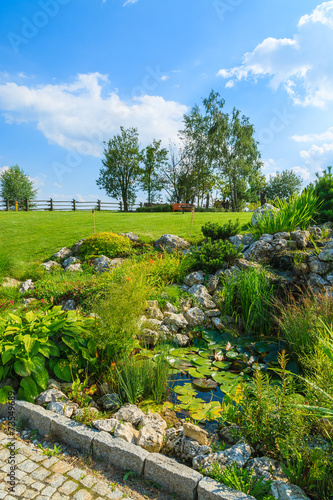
(6, 264)
(297, 211)
(249, 294)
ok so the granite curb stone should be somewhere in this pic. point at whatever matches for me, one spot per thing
(209, 489)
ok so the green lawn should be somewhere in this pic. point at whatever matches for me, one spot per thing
(35, 236)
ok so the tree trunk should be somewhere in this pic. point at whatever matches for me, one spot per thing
(207, 201)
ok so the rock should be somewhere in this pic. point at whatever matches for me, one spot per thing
(247, 239)
(283, 491)
(301, 238)
(165, 332)
(186, 304)
(154, 420)
(191, 449)
(243, 264)
(83, 412)
(267, 237)
(230, 434)
(266, 468)
(152, 324)
(326, 255)
(105, 389)
(74, 268)
(106, 424)
(317, 266)
(154, 312)
(62, 254)
(76, 248)
(329, 278)
(103, 264)
(170, 243)
(50, 396)
(66, 409)
(315, 281)
(69, 261)
(312, 442)
(281, 236)
(130, 236)
(217, 323)
(53, 384)
(195, 433)
(149, 439)
(69, 305)
(202, 296)
(194, 316)
(27, 302)
(194, 279)
(266, 209)
(129, 413)
(27, 285)
(213, 283)
(175, 322)
(49, 264)
(182, 446)
(170, 308)
(279, 245)
(238, 454)
(237, 240)
(126, 432)
(316, 232)
(109, 402)
(10, 282)
(259, 251)
(181, 340)
(213, 313)
(149, 337)
(174, 440)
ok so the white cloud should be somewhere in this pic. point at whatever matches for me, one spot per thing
(325, 136)
(303, 172)
(58, 185)
(77, 116)
(319, 152)
(302, 65)
(129, 2)
(165, 77)
(3, 169)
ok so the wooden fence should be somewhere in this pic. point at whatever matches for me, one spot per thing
(73, 205)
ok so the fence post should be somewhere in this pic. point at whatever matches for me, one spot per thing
(74, 205)
(99, 205)
(51, 204)
(26, 205)
(7, 205)
(121, 206)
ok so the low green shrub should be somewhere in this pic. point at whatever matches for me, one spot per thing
(323, 188)
(38, 343)
(241, 480)
(214, 255)
(298, 211)
(215, 231)
(249, 294)
(109, 244)
(158, 208)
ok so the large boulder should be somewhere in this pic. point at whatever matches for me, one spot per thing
(131, 236)
(238, 454)
(266, 209)
(106, 424)
(171, 242)
(301, 238)
(126, 432)
(103, 264)
(283, 491)
(200, 293)
(267, 468)
(195, 432)
(50, 396)
(62, 254)
(74, 268)
(237, 240)
(326, 255)
(49, 264)
(129, 413)
(77, 247)
(69, 261)
(194, 279)
(194, 316)
(110, 402)
(317, 266)
(260, 251)
(175, 322)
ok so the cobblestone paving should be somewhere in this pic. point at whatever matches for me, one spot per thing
(37, 476)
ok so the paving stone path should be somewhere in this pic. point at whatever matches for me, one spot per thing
(36, 476)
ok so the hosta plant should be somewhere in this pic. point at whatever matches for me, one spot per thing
(37, 344)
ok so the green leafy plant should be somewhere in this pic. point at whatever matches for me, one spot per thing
(80, 393)
(241, 480)
(109, 244)
(323, 188)
(297, 211)
(51, 452)
(36, 343)
(216, 231)
(214, 255)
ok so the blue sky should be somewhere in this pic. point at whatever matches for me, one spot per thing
(73, 71)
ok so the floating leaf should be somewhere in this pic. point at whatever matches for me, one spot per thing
(185, 398)
(262, 347)
(205, 370)
(272, 358)
(223, 365)
(201, 362)
(238, 366)
(194, 373)
(224, 377)
(184, 389)
(180, 364)
(232, 354)
(204, 384)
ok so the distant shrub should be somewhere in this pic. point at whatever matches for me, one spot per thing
(215, 231)
(215, 255)
(158, 208)
(109, 244)
(324, 190)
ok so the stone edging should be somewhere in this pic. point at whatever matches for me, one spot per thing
(185, 482)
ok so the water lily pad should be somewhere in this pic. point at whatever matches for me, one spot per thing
(205, 370)
(272, 358)
(238, 366)
(262, 347)
(201, 361)
(194, 373)
(185, 398)
(232, 355)
(206, 353)
(180, 364)
(224, 377)
(179, 353)
(184, 389)
(223, 365)
(204, 384)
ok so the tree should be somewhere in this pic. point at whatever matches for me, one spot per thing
(323, 188)
(15, 185)
(283, 185)
(177, 177)
(120, 173)
(232, 148)
(153, 158)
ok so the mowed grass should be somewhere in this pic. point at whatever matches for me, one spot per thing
(35, 236)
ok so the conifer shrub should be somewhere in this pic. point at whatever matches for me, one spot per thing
(215, 231)
(324, 190)
(215, 255)
(109, 244)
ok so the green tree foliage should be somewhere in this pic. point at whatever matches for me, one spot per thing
(16, 186)
(153, 158)
(176, 176)
(323, 188)
(120, 173)
(283, 185)
(233, 151)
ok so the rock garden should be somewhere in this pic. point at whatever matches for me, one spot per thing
(218, 355)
